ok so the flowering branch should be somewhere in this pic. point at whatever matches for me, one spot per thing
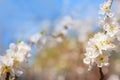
(98, 46)
(16, 56)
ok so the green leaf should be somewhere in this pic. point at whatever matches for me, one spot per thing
(42, 32)
(18, 41)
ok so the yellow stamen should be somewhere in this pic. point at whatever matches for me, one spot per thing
(108, 42)
(112, 27)
(16, 62)
(101, 42)
(5, 69)
(107, 8)
(101, 58)
(96, 47)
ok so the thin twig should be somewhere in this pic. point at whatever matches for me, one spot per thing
(111, 1)
(101, 74)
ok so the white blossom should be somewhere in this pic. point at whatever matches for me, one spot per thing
(95, 50)
(6, 60)
(16, 56)
(105, 8)
(35, 38)
(102, 60)
(111, 29)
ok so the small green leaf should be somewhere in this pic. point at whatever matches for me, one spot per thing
(18, 41)
(42, 32)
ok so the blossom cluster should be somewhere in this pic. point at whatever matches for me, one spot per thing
(16, 56)
(99, 47)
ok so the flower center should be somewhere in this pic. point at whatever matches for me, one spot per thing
(5, 69)
(106, 8)
(101, 43)
(108, 42)
(101, 59)
(112, 27)
(96, 47)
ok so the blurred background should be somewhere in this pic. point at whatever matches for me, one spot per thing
(54, 59)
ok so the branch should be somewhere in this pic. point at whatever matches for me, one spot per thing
(101, 74)
(7, 76)
(111, 1)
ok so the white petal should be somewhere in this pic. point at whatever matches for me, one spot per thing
(86, 60)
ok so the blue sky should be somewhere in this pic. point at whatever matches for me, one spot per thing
(21, 18)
